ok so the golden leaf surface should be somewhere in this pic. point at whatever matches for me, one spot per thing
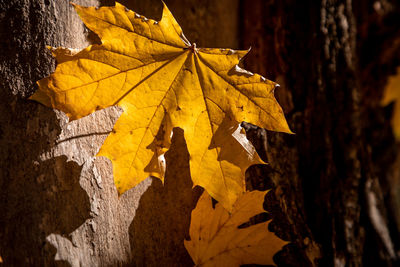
(216, 239)
(392, 94)
(162, 81)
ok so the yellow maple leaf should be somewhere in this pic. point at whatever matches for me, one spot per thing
(216, 239)
(392, 94)
(162, 81)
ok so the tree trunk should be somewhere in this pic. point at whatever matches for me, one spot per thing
(336, 181)
(338, 175)
(58, 203)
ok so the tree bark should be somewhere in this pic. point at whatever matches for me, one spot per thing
(59, 205)
(337, 175)
(336, 182)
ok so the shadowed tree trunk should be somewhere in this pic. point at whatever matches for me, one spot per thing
(340, 171)
(336, 182)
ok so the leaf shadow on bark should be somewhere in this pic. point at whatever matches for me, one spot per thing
(162, 219)
(36, 198)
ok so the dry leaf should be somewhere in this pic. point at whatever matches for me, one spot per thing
(162, 81)
(216, 239)
(392, 94)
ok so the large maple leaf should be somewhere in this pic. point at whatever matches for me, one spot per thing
(162, 81)
(216, 239)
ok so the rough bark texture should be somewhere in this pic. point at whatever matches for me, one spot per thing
(336, 181)
(337, 176)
